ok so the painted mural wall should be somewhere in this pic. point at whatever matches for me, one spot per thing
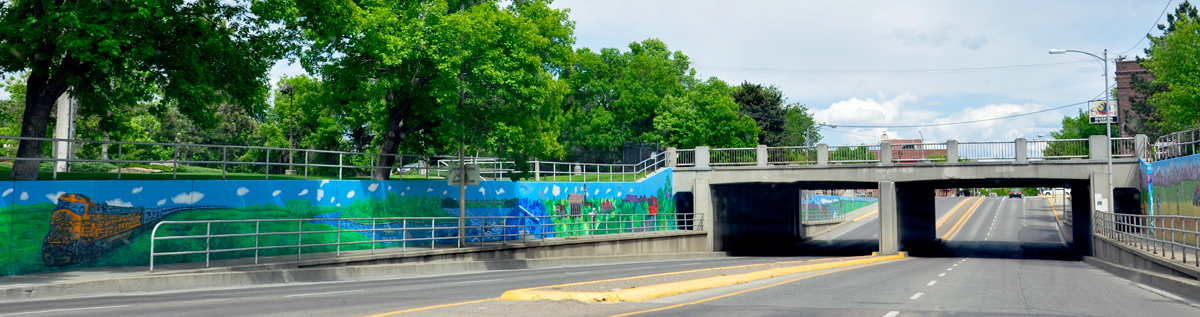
(50, 226)
(1174, 186)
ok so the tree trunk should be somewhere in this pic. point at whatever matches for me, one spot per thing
(393, 134)
(41, 94)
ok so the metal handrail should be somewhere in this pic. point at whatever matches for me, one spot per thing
(803, 155)
(733, 156)
(1176, 144)
(1158, 234)
(685, 157)
(510, 229)
(922, 150)
(496, 169)
(987, 150)
(1058, 149)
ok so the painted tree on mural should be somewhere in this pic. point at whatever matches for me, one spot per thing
(426, 75)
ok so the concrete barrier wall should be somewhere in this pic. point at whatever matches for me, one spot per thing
(49, 226)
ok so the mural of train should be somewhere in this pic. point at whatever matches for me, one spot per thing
(82, 230)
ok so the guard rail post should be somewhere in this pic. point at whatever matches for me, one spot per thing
(1022, 151)
(702, 157)
(885, 153)
(672, 156)
(1098, 148)
(120, 159)
(1139, 146)
(951, 151)
(761, 155)
(822, 154)
(224, 160)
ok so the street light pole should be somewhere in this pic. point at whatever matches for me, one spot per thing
(1107, 115)
(291, 91)
(922, 144)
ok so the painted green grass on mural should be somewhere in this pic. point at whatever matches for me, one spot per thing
(1178, 199)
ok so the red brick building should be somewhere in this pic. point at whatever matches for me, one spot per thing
(1127, 119)
(911, 150)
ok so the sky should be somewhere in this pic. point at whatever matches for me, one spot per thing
(886, 63)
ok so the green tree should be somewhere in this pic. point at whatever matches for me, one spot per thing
(426, 75)
(1173, 61)
(1074, 127)
(765, 106)
(194, 54)
(799, 127)
(706, 114)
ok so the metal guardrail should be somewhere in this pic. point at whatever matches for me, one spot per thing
(685, 158)
(272, 161)
(402, 232)
(854, 154)
(918, 152)
(733, 156)
(803, 155)
(1123, 148)
(1167, 236)
(1058, 149)
(1178, 144)
(987, 151)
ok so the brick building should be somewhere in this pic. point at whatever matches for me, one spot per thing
(1127, 119)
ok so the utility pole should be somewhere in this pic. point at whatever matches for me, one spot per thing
(291, 91)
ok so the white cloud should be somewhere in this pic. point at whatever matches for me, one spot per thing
(304, 192)
(925, 35)
(25, 196)
(373, 187)
(276, 192)
(162, 202)
(187, 198)
(7, 192)
(323, 182)
(119, 203)
(501, 191)
(482, 191)
(320, 194)
(350, 194)
(557, 190)
(973, 43)
(52, 197)
(137, 190)
(242, 191)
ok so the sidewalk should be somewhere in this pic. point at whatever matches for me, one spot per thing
(323, 267)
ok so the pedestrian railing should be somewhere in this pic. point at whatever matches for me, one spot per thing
(685, 158)
(1178, 144)
(273, 237)
(802, 155)
(1058, 149)
(1173, 237)
(733, 156)
(1123, 148)
(918, 152)
(271, 161)
(983, 151)
(854, 154)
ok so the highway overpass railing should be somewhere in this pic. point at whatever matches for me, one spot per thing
(1018, 151)
(273, 237)
(1178, 144)
(1173, 237)
(121, 158)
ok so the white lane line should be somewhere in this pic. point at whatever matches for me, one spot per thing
(327, 293)
(943, 274)
(918, 295)
(931, 283)
(584, 272)
(891, 314)
(956, 265)
(479, 281)
(65, 309)
(950, 269)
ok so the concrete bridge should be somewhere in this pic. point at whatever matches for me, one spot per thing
(751, 196)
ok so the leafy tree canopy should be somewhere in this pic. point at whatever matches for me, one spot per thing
(1173, 60)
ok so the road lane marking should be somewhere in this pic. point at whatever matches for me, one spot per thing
(327, 293)
(956, 265)
(1052, 210)
(63, 310)
(957, 225)
(493, 280)
(950, 269)
(892, 314)
(952, 212)
(750, 290)
(931, 283)
(943, 274)
(866, 215)
(430, 307)
(918, 295)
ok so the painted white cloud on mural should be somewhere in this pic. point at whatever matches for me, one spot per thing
(137, 190)
(320, 194)
(242, 191)
(119, 203)
(557, 190)
(501, 191)
(187, 198)
(429, 190)
(162, 202)
(323, 182)
(7, 192)
(24, 196)
(304, 192)
(350, 194)
(373, 187)
(482, 191)
(445, 192)
(52, 197)
(276, 192)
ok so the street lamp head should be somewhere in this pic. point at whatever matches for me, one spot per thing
(287, 89)
(1058, 51)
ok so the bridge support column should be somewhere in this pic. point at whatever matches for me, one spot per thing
(1022, 148)
(951, 151)
(761, 157)
(915, 210)
(672, 157)
(885, 154)
(701, 157)
(822, 154)
(1084, 204)
(1097, 148)
(889, 225)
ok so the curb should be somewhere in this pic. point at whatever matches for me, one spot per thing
(192, 281)
(667, 289)
(1186, 288)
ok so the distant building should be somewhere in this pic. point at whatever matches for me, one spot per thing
(1127, 119)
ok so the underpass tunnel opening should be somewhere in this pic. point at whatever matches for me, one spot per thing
(1000, 218)
(776, 218)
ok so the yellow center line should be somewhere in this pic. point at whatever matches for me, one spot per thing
(430, 307)
(952, 212)
(866, 215)
(1052, 210)
(964, 218)
(749, 290)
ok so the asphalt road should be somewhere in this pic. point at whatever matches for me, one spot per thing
(1006, 260)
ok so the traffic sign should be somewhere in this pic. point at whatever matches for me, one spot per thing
(456, 177)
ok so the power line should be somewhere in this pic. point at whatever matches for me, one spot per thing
(895, 72)
(1152, 26)
(962, 122)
